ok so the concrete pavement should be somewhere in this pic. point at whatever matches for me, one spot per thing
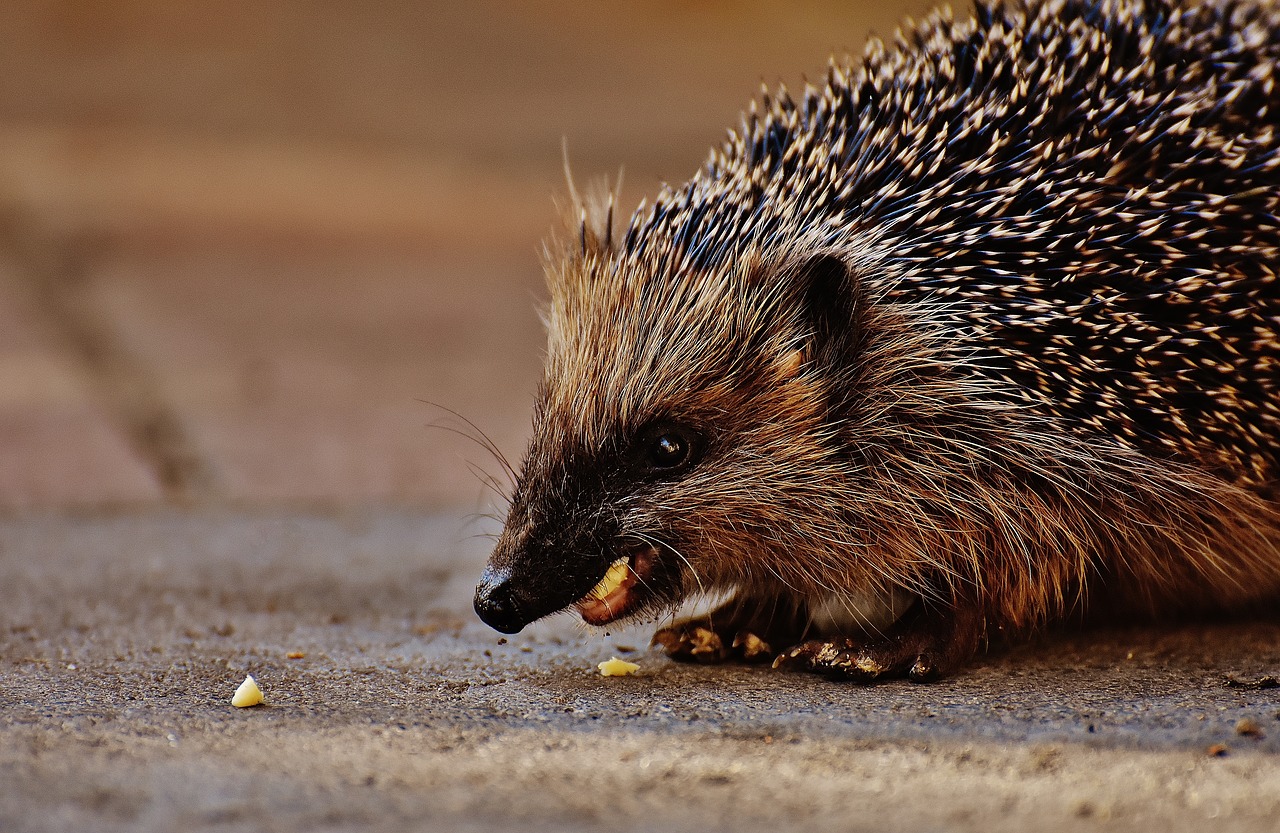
(389, 707)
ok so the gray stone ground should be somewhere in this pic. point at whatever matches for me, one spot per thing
(248, 253)
(123, 637)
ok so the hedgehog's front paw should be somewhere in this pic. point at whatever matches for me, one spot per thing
(850, 659)
(691, 642)
(923, 648)
(696, 641)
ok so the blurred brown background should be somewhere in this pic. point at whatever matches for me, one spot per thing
(244, 244)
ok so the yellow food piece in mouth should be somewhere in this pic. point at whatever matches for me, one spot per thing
(617, 668)
(612, 580)
(248, 694)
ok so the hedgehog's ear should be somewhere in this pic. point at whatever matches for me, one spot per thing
(829, 309)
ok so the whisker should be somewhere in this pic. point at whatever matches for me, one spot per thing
(654, 542)
(479, 437)
(489, 481)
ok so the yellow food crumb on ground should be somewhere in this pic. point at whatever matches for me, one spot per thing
(295, 655)
(248, 694)
(617, 668)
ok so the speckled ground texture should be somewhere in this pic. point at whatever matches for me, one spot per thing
(123, 639)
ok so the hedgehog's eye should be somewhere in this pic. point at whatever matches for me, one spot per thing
(667, 448)
(668, 451)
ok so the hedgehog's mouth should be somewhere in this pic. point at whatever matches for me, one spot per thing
(622, 591)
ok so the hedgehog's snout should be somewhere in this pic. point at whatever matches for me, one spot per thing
(495, 602)
(529, 577)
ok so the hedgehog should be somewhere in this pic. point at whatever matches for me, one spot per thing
(980, 335)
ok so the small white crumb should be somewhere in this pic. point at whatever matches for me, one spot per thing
(617, 668)
(248, 694)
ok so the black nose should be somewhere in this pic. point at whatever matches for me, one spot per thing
(496, 604)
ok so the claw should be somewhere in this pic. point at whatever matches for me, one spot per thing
(845, 659)
(744, 629)
(751, 647)
(925, 670)
(922, 649)
(696, 644)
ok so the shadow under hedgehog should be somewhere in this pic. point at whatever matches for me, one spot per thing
(978, 335)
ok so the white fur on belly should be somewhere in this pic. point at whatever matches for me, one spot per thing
(851, 612)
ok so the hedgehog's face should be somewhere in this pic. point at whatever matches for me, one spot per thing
(688, 461)
(573, 535)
